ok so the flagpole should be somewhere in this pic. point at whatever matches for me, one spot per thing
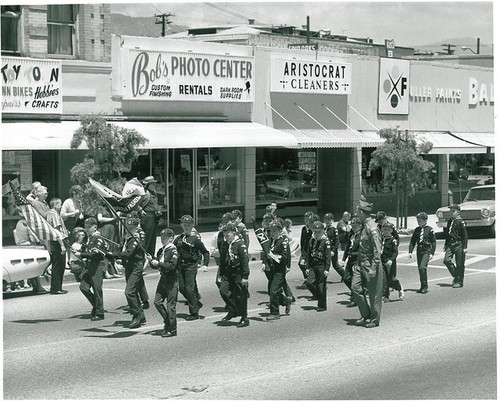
(118, 217)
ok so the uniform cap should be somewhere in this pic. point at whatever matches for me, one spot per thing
(78, 229)
(356, 221)
(229, 227)
(365, 206)
(149, 180)
(229, 216)
(387, 224)
(276, 225)
(422, 215)
(329, 216)
(318, 226)
(380, 216)
(456, 207)
(167, 232)
(187, 218)
(90, 222)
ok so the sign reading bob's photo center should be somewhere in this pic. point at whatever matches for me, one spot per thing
(176, 76)
(31, 86)
(311, 77)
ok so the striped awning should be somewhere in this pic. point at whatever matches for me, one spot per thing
(336, 138)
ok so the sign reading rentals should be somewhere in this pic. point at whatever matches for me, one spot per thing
(175, 76)
(31, 85)
(314, 77)
(393, 90)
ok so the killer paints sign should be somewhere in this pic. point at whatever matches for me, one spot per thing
(31, 86)
(177, 76)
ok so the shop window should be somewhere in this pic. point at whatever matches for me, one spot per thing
(61, 25)
(285, 175)
(219, 177)
(11, 20)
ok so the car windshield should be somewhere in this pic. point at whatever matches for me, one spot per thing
(478, 194)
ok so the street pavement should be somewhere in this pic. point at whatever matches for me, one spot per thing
(436, 346)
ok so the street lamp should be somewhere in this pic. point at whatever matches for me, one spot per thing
(468, 48)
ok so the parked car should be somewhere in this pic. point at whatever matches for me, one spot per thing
(286, 184)
(485, 175)
(23, 262)
(477, 209)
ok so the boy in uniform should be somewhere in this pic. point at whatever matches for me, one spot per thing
(424, 238)
(455, 244)
(333, 236)
(351, 253)
(168, 285)
(388, 258)
(318, 264)
(234, 273)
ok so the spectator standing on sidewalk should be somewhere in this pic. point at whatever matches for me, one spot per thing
(455, 245)
(425, 240)
(57, 248)
(71, 210)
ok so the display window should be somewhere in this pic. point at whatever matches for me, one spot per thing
(285, 175)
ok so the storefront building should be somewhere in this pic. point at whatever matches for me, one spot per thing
(237, 127)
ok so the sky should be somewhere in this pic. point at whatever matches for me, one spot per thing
(408, 23)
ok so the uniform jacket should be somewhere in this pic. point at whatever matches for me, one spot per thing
(352, 247)
(243, 233)
(343, 234)
(389, 249)
(456, 231)
(189, 248)
(370, 245)
(167, 257)
(305, 236)
(95, 249)
(234, 258)
(131, 251)
(394, 232)
(333, 236)
(279, 247)
(319, 253)
(424, 238)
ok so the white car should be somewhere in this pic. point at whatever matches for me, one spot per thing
(477, 209)
(23, 262)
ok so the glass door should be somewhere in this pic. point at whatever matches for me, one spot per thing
(180, 171)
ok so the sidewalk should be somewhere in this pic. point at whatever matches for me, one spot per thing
(254, 249)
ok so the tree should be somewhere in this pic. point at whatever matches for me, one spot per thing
(112, 149)
(404, 169)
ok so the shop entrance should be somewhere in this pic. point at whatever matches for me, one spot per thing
(179, 191)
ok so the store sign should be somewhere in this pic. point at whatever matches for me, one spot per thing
(174, 76)
(480, 93)
(314, 77)
(393, 92)
(31, 85)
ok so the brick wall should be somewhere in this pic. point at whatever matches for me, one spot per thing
(93, 36)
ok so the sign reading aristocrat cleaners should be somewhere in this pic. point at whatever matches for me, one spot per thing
(31, 85)
(314, 77)
(177, 76)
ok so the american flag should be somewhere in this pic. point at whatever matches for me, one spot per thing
(38, 225)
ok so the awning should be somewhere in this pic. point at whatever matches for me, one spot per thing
(446, 143)
(36, 135)
(335, 138)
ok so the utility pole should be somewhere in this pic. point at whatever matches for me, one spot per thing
(307, 30)
(448, 48)
(163, 20)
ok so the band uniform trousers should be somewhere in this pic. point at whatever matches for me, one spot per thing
(423, 255)
(348, 272)
(457, 271)
(134, 279)
(336, 266)
(373, 278)
(150, 225)
(235, 294)
(58, 262)
(166, 300)
(188, 287)
(276, 295)
(316, 283)
(91, 286)
(390, 280)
